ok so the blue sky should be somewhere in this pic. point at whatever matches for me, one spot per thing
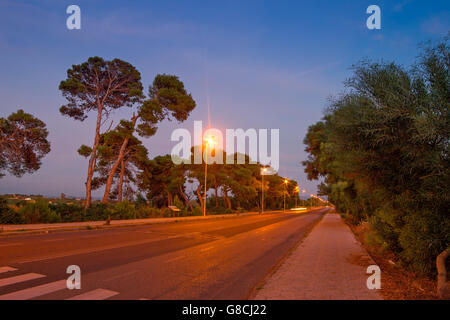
(261, 64)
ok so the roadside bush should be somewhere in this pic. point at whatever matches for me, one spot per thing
(166, 213)
(144, 212)
(8, 215)
(197, 211)
(39, 212)
(122, 210)
(179, 204)
(68, 213)
(97, 211)
(140, 201)
(382, 149)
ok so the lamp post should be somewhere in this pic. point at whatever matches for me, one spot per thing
(284, 194)
(296, 190)
(263, 171)
(208, 142)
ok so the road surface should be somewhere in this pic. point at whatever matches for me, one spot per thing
(214, 259)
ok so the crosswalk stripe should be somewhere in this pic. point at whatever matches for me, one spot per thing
(21, 278)
(6, 269)
(97, 294)
(34, 292)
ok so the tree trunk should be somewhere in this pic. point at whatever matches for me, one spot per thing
(120, 186)
(443, 289)
(199, 195)
(119, 159)
(225, 194)
(217, 197)
(169, 199)
(186, 200)
(93, 158)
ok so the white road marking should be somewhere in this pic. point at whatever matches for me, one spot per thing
(97, 294)
(175, 259)
(37, 291)
(21, 278)
(7, 269)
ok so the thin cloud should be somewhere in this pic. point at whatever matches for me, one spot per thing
(437, 25)
(320, 69)
(399, 6)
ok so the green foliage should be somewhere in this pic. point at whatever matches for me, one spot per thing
(382, 148)
(140, 200)
(197, 211)
(144, 212)
(115, 83)
(39, 212)
(97, 211)
(84, 151)
(122, 210)
(68, 213)
(8, 215)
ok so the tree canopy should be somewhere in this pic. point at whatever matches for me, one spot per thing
(23, 143)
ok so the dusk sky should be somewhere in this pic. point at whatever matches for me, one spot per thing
(260, 64)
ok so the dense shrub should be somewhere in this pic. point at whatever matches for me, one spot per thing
(8, 215)
(122, 210)
(68, 213)
(39, 212)
(197, 211)
(144, 212)
(97, 211)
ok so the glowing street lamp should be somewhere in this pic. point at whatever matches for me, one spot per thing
(209, 141)
(263, 171)
(296, 190)
(284, 194)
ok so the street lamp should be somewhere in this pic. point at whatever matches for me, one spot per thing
(296, 190)
(284, 194)
(209, 141)
(263, 171)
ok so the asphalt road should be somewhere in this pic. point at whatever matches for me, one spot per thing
(214, 259)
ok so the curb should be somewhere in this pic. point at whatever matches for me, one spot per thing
(102, 224)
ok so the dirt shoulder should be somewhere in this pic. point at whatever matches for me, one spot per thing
(396, 282)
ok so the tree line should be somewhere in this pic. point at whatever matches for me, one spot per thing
(233, 186)
(117, 159)
(383, 149)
